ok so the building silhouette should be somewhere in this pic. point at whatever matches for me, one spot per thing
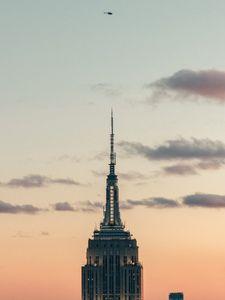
(112, 270)
(176, 296)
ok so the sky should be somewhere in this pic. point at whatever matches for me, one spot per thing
(63, 66)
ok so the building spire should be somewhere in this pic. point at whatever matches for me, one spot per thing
(112, 153)
(112, 213)
(111, 121)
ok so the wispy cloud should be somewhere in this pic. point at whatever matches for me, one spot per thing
(99, 174)
(129, 176)
(132, 175)
(66, 157)
(200, 200)
(86, 206)
(107, 89)
(210, 164)
(178, 149)
(100, 156)
(64, 181)
(23, 235)
(44, 233)
(204, 83)
(156, 202)
(189, 168)
(9, 208)
(180, 169)
(124, 205)
(204, 200)
(63, 206)
(37, 181)
(90, 206)
(190, 155)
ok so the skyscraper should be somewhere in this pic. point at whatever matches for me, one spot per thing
(112, 270)
(176, 296)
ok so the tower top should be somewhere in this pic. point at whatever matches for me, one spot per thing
(112, 226)
(112, 153)
(111, 121)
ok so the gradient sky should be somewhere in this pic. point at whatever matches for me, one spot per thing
(160, 65)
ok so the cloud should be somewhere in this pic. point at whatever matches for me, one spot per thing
(156, 202)
(17, 209)
(203, 83)
(44, 233)
(107, 89)
(100, 156)
(65, 181)
(66, 157)
(195, 200)
(129, 176)
(181, 148)
(22, 234)
(89, 206)
(210, 165)
(99, 174)
(180, 169)
(192, 168)
(124, 205)
(204, 200)
(63, 206)
(37, 181)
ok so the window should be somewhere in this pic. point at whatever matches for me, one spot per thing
(96, 260)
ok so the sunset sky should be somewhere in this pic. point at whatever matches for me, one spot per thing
(161, 66)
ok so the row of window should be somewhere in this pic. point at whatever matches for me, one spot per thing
(133, 260)
(110, 245)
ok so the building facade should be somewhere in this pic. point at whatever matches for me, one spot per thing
(112, 270)
(176, 296)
